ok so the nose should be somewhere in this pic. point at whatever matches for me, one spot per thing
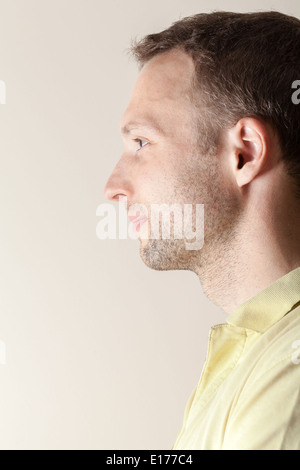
(118, 185)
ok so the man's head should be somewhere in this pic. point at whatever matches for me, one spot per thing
(245, 65)
(211, 121)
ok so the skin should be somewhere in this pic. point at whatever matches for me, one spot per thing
(252, 229)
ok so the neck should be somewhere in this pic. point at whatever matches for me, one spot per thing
(263, 250)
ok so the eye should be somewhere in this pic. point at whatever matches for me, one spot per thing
(142, 143)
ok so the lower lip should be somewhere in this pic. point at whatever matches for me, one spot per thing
(137, 225)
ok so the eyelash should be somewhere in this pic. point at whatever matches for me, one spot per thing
(139, 142)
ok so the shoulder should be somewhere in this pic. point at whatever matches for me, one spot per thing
(276, 354)
(281, 342)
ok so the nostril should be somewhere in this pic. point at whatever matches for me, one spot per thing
(109, 193)
(113, 194)
(120, 197)
(117, 187)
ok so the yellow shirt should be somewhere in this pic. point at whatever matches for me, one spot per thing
(248, 396)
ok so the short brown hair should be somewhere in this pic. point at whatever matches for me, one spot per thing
(245, 65)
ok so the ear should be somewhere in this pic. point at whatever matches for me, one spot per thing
(249, 144)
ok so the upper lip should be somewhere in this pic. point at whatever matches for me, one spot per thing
(135, 219)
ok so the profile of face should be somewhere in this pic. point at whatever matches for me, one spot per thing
(162, 164)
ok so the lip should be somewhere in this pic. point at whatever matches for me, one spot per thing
(137, 221)
(136, 218)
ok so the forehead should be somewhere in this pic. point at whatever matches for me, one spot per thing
(163, 86)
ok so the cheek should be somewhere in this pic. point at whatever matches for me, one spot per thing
(169, 175)
(189, 179)
(153, 184)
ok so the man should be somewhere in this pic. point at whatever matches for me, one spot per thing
(212, 121)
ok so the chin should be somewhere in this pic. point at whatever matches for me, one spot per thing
(165, 255)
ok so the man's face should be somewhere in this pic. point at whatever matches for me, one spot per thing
(161, 163)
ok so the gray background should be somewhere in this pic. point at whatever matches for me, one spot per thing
(101, 352)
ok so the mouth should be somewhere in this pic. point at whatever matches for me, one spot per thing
(137, 222)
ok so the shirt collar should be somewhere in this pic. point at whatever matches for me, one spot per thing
(270, 305)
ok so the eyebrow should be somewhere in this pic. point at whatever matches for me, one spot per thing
(148, 125)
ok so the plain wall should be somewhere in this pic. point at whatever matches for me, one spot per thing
(100, 351)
